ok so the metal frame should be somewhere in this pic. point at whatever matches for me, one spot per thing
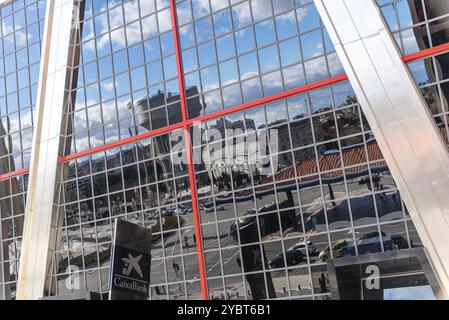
(188, 146)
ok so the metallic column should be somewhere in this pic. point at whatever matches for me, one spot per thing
(399, 118)
(5, 2)
(39, 234)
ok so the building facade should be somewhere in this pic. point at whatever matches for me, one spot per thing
(247, 134)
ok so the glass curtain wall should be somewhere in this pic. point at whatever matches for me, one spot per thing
(285, 180)
(22, 24)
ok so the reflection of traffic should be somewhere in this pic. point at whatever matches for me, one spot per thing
(293, 255)
(268, 223)
(304, 246)
(253, 222)
(368, 243)
(210, 209)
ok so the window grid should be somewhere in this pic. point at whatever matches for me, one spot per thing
(171, 284)
(21, 27)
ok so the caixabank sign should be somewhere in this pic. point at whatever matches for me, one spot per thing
(131, 262)
(131, 271)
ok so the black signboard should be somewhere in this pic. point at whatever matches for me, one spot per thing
(130, 262)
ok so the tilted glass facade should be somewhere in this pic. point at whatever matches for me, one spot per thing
(288, 172)
(22, 25)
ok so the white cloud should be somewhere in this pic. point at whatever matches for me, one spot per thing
(335, 65)
(243, 14)
(303, 12)
(131, 10)
(316, 69)
(200, 7)
(287, 17)
(21, 36)
(261, 9)
(282, 5)
(409, 41)
(109, 85)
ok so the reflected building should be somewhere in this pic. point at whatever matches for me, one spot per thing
(436, 34)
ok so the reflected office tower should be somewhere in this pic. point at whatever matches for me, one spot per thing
(154, 111)
(254, 258)
(150, 113)
(437, 34)
(439, 30)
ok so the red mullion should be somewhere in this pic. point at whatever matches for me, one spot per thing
(186, 122)
(272, 98)
(285, 94)
(426, 53)
(122, 142)
(188, 146)
(13, 174)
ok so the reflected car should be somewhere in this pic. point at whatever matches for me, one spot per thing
(368, 243)
(301, 246)
(293, 257)
(182, 209)
(341, 248)
(167, 213)
(373, 234)
(400, 242)
(269, 223)
(371, 245)
(372, 242)
(212, 209)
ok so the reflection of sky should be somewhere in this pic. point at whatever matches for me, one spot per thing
(19, 70)
(409, 293)
(403, 14)
(148, 70)
(399, 17)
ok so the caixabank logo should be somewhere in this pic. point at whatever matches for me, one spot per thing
(131, 271)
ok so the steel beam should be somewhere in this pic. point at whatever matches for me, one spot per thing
(41, 218)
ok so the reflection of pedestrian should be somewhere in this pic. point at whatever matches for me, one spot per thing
(394, 197)
(159, 290)
(134, 204)
(376, 180)
(322, 281)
